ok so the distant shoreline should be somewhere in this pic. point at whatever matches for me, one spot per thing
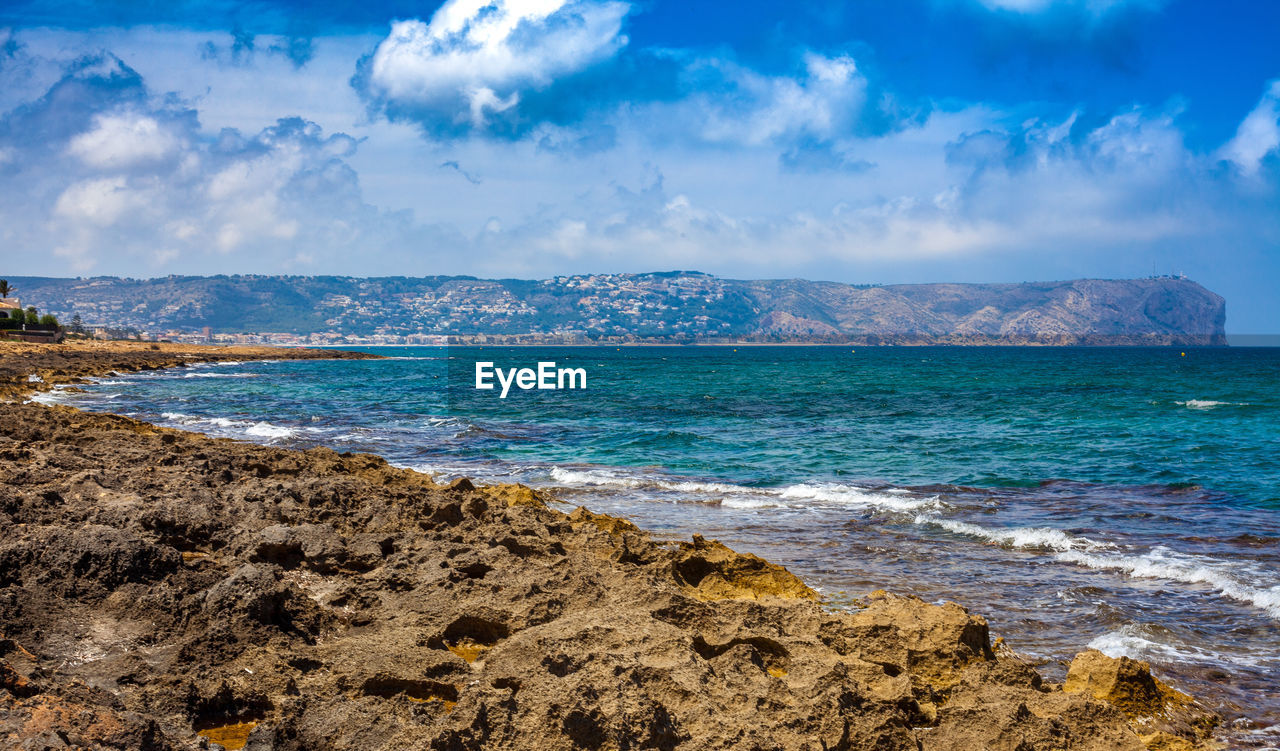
(1039, 345)
(660, 307)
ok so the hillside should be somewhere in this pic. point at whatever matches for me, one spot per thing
(671, 307)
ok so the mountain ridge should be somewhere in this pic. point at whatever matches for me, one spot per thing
(675, 306)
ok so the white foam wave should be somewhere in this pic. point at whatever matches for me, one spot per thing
(748, 502)
(607, 480)
(1027, 538)
(267, 430)
(1139, 643)
(1209, 404)
(739, 496)
(220, 375)
(1161, 562)
(257, 429)
(849, 495)
(601, 479)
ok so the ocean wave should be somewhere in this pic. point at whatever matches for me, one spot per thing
(741, 496)
(748, 502)
(255, 428)
(1161, 562)
(221, 375)
(1134, 642)
(604, 479)
(1209, 404)
(267, 430)
(850, 495)
(1024, 538)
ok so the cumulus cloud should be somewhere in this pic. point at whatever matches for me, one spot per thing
(127, 173)
(122, 140)
(1259, 133)
(475, 59)
(823, 102)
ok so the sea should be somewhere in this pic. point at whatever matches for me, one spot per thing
(1125, 499)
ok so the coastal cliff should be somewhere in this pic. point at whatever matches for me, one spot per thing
(162, 590)
(674, 307)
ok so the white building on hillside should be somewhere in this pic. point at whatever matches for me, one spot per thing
(11, 307)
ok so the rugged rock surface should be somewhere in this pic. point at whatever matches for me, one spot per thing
(164, 590)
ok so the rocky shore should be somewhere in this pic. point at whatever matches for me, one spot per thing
(164, 590)
(25, 366)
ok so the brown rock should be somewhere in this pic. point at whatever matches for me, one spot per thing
(1124, 682)
(714, 572)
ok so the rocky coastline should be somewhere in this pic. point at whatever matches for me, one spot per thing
(161, 589)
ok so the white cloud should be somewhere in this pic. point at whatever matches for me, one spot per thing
(123, 140)
(1258, 134)
(130, 179)
(823, 103)
(101, 202)
(475, 57)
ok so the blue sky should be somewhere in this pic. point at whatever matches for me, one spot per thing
(879, 141)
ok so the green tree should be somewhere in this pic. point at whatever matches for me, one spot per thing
(6, 290)
(77, 324)
(33, 316)
(48, 319)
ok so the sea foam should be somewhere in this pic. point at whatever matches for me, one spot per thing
(1209, 404)
(267, 430)
(1161, 562)
(741, 496)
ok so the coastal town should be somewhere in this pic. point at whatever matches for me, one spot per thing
(598, 308)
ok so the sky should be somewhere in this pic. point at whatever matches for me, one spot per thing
(881, 141)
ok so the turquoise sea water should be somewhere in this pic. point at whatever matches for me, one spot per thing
(1127, 499)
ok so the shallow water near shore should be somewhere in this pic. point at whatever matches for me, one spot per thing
(1124, 498)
